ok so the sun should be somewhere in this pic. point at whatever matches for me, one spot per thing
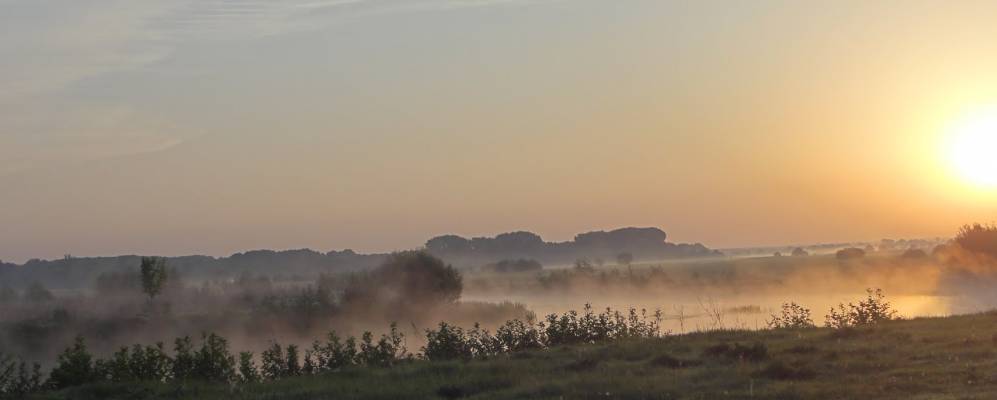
(972, 147)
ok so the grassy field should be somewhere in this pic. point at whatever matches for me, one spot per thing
(927, 358)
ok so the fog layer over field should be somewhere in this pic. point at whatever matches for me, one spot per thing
(490, 285)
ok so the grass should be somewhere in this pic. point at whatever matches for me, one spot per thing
(920, 359)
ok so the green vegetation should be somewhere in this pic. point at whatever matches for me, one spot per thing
(864, 352)
(926, 358)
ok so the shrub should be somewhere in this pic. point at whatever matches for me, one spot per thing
(516, 335)
(139, 363)
(482, 343)
(183, 359)
(291, 365)
(274, 365)
(570, 328)
(793, 316)
(308, 366)
(213, 362)
(248, 373)
(448, 342)
(388, 350)
(74, 367)
(873, 310)
(334, 354)
(16, 379)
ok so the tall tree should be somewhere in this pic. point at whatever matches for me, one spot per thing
(154, 275)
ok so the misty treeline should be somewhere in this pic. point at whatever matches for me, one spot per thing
(76, 273)
(151, 301)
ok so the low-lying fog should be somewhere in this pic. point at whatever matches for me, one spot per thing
(707, 293)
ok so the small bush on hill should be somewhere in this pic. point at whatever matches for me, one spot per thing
(793, 316)
(873, 310)
(448, 342)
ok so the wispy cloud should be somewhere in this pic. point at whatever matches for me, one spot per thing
(47, 46)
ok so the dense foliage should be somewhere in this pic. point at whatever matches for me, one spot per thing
(978, 238)
(793, 316)
(870, 311)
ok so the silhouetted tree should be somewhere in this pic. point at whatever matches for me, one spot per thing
(978, 238)
(154, 275)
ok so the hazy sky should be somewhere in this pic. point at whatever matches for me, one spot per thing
(214, 126)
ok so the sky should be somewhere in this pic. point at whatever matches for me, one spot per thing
(173, 127)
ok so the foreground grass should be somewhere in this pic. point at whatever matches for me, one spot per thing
(927, 358)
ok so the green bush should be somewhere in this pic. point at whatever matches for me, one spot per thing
(248, 373)
(16, 379)
(274, 365)
(388, 350)
(74, 367)
(334, 353)
(183, 360)
(213, 362)
(873, 310)
(447, 343)
(516, 336)
(793, 316)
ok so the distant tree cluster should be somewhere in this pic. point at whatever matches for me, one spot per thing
(644, 243)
